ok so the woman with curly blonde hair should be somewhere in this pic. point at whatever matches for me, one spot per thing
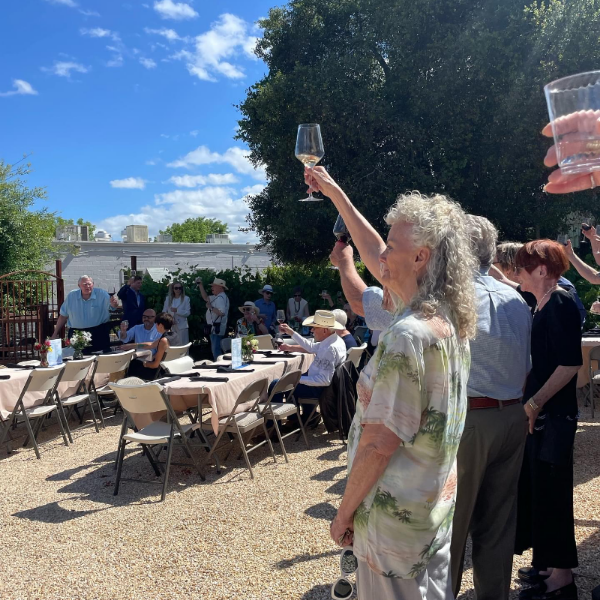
(399, 501)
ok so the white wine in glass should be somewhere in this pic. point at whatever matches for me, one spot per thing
(309, 149)
(280, 317)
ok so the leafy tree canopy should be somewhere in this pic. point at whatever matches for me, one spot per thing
(25, 235)
(437, 95)
(195, 230)
(60, 222)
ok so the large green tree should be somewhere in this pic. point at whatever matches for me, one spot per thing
(25, 234)
(195, 230)
(437, 95)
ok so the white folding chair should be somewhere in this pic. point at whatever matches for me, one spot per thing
(184, 364)
(244, 422)
(175, 352)
(109, 364)
(76, 371)
(146, 398)
(39, 380)
(264, 341)
(278, 411)
(355, 354)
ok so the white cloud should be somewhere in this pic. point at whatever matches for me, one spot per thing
(192, 181)
(65, 68)
(98, 32)
(178, 11)
(194, 133)
(89, 13)
(69, 3)
(252, 190)
(130, 183)
(148, 63)
(221, 203)
(169, 34)
(22, 88)
(236, 157)
(215, 50)
(117, 57)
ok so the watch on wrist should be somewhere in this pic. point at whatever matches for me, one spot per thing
(532, 404)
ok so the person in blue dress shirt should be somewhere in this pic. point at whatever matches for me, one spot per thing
(140, 334)
(267, 308)
(87, 309)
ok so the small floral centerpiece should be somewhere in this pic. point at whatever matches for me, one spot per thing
(80, 340)
(249, 347)
(43, 348)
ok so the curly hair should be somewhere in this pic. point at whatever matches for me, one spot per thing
(484, 237)
(440, 224)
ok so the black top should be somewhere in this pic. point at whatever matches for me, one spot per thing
(528, 297)
(555, 341)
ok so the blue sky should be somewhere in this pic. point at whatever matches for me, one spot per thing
(127, 106)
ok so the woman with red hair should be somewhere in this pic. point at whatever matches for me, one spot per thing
(545, 506)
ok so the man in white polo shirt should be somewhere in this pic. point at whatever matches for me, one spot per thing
(329, 350)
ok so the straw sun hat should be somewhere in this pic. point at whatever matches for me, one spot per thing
(251, 305)
(323, 318)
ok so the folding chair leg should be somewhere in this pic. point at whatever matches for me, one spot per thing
(6, 431)
(167, 467)
(100, 407)
(123, 430)
(62, 415)
(243, 447)
(32, 436)
(62, 429)
(276, 427)
(302, 431)
(89, 401)
(269, 441)
(120, 456)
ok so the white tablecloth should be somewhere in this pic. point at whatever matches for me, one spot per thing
(222, 396)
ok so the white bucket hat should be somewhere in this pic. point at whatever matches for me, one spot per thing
(220, 282)
(266, 288)
(251, 305)
(323, 318)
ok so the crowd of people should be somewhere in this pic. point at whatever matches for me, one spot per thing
(467, 411)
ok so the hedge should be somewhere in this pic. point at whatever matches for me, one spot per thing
(244, 284)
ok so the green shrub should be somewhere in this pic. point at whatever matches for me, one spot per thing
(244, 284)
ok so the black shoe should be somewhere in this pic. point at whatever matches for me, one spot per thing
(531, 575)
(530, 592)
(566, 592)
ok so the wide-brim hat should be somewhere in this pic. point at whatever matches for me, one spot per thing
(220, 282)
(251, 305)
(323, 318)
(266, 288)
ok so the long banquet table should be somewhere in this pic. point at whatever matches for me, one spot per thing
(222, 396)
(10, 389)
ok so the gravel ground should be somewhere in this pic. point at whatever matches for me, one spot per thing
(64, 535)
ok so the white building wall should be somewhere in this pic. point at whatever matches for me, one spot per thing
(104, 261)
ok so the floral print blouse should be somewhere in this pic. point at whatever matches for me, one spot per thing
(415, 385)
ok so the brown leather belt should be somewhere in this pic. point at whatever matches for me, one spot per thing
(476, 403)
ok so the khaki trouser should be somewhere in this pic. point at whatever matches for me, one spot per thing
(490, 456)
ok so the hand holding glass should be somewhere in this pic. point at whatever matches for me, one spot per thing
(309, 149)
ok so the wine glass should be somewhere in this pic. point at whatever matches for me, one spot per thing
(111, 294)
(280, 316)
(309, 149)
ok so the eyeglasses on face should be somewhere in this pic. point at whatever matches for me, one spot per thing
(147, 316)
(297, 295)
(247, 309)
(270, 293)
(178, 288)
(517, 270)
